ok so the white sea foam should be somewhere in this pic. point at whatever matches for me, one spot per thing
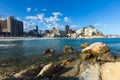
(7, 45)
(23, 38)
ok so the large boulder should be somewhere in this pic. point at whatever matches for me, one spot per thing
(90, 72)
(68, 50)
(49, 52)
(110, 71)
(84, 45)
(97, 49)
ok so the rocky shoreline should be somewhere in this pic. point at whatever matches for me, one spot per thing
(94, 62)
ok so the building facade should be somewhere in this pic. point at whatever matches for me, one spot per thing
(11, 27)
(67, 29)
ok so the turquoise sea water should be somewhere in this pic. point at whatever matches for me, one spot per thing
(24, 48)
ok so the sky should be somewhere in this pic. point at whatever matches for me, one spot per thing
(104, 15)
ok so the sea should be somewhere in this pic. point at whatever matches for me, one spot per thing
(20, 50)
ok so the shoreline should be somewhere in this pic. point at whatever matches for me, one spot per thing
(36, 38)
(33, 38)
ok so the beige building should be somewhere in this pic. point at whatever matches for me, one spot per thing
(11, 27)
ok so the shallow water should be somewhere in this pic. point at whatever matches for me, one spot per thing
(26, 49)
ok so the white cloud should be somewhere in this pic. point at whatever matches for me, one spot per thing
(41, 17)
(100, 25)
(54, 18)
(26, 25)
(47, 22)
(57, 14)
(2, 17)
(67, 19)
(28, 9)
(29, 25)
(44, 9)
(18, 18)
(31, 17)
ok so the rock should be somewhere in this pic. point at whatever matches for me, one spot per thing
(107, 57)
(79, 70)
(96, 49)
(49, 52)
(84, 45)
(110, 71)
(51, 69)
(84, 56)
(90, 73)
(46, 71)
(29, 72)
(69, 71)
(4, 65)
(68, 50)
(65, 61)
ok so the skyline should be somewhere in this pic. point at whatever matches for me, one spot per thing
(103, 14)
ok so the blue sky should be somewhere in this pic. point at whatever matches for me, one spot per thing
(103, 14)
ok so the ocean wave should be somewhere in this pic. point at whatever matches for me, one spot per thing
(115, 52)
(7, 45)
(114, 45)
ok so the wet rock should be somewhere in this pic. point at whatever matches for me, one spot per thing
(68, 50)
(49, 52)
(84, 56)
(4, 65)
(110, 71)
(29, 72)
(84, 45)
(97, 48)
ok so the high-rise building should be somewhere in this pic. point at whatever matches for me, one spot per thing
(36, 28)
(67, 29)
(11, 27)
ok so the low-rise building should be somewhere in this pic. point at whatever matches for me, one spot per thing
(56, 32)
(73, 35)
(53, 33)
(34, 32)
